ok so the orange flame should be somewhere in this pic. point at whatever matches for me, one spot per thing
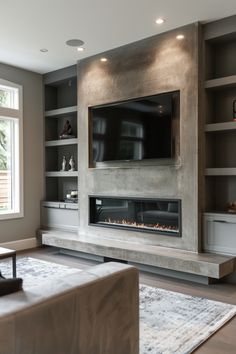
(129, 223)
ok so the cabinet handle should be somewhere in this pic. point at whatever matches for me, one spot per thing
(51, 207)
(224, 222)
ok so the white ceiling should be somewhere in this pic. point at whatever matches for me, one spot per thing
(26, 26)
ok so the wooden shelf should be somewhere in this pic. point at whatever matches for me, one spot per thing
(218, 127)
(61, 174)
(63, 142)
(60, 111)
(229, 171)
(223, 82)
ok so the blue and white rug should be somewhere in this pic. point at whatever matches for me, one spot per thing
(170, 323)
(34, 271)
(176, 323)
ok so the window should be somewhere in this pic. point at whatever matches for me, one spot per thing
(11, 155)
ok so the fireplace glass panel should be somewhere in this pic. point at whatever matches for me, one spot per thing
(148, 215)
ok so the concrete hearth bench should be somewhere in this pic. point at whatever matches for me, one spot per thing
(89, 312)
(205, 265)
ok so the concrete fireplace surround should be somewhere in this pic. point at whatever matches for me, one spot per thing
(154, 65)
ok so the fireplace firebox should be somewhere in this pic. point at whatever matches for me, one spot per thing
(161, 216)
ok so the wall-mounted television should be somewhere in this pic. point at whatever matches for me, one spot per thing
(133, 130)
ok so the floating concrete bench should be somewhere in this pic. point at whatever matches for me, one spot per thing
(203, 264)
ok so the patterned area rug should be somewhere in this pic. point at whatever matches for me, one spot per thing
(176, 323)
(35, 271)
(170, 323)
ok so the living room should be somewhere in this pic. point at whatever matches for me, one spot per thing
(116, 162)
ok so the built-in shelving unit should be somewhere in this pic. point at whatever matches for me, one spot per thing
(60, 96)
(220, 135)
(220, 128)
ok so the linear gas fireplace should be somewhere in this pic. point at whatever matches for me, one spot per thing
(162, 216)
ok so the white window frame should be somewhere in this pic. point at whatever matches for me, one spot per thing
(18, 176)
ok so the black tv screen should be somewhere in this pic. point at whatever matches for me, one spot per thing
(137, 129)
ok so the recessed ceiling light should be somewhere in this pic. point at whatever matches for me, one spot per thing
(44, 50)
(103, 59)
(75, 42)
(160, 21)
(180, 36)
(80, 49)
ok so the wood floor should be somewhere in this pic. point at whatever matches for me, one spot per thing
(222, 342)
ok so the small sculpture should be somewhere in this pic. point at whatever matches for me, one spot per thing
(63, 165)
(67, 131)
(232, 207)
(72, 196)
(72, 164)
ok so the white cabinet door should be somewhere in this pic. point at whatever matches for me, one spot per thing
(220, 233)
(60, 218)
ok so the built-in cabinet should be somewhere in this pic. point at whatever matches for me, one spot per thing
(220, 138)
(60, 207)
(219, 231)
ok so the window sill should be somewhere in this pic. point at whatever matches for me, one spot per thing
(9, 215)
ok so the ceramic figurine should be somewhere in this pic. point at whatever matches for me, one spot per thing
(63, 165)
(72, 164)
(67, 131)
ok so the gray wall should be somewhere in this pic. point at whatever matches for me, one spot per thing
(154, 65)
(16, 229)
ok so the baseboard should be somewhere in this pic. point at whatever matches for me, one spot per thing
(20, 245)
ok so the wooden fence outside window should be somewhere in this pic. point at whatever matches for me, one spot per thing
(4, 189)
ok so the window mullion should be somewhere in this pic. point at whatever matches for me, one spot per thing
(9, 113)
(13, 159)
